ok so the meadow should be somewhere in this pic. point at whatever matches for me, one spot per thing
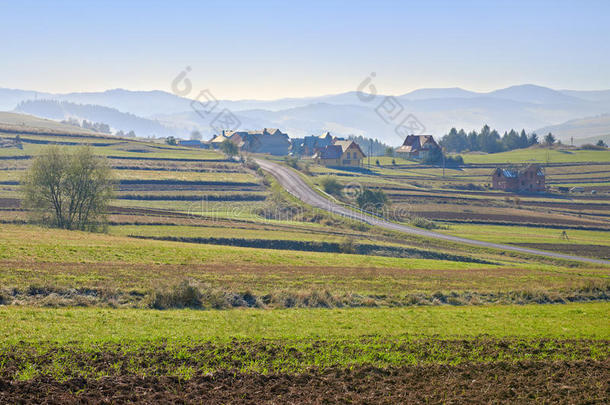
(209, 273)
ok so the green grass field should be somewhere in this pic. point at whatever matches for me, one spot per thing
(522, 234)
(94, 325)
(82, 309)
(539, 155)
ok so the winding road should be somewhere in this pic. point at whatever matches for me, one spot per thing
(295, 185)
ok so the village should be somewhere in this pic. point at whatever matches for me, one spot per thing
(332, 151)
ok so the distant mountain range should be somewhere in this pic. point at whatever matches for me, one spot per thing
(161, 113)
(595, 128)
(61, 110)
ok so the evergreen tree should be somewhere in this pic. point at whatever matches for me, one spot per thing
(523, 141)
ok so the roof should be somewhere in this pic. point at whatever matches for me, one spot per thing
(219, 138)
(343, 144)
(513, 173)
(414, 143)
(329, 152)
(336, 150)
(272, 131)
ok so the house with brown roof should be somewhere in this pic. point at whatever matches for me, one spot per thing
(418, 147)
(528, 180)
(340, 153)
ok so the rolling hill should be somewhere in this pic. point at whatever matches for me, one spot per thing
(23, 123)
(117, 120)
(583, 130)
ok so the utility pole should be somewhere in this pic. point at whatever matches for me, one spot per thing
(443, 153)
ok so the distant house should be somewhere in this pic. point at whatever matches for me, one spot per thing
(340, 153)
(310, 144)
(268, 140)
(531, 179)
(217, 140)
(193, 143)
(417, 147)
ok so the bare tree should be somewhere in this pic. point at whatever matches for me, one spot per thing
(196, 136)
(69, 190)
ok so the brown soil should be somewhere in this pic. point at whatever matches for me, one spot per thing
(506, 383)
(9, 203)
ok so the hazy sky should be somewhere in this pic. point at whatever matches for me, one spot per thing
(272, 49)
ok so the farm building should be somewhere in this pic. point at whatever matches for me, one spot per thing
(530, 179)
(340, 153)
(194, 143)
(417, 147)
(268, 140)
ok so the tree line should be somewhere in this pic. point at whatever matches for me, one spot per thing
(490, 141)
(93, 126)
(370, 146)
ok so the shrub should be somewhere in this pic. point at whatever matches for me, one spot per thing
(424, 223)
(456, 160)
(347, 246)
(306, 169)
(590, 146)
(292, 161)
(252, 165)
(183, 295)
(372, 200)
(331, 186)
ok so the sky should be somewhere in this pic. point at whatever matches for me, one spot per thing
(275, 49)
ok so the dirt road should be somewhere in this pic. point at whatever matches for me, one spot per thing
(295, 185)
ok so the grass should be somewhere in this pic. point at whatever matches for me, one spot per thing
(95, 325)
(539, 155)
(117, 147)
(93, 343)
(522, 234)
(36, 244)
(215, 232)
(32, 256)
(184, 176)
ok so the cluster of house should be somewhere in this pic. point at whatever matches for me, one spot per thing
(268, 140)
(330, 150)
(325, 149)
